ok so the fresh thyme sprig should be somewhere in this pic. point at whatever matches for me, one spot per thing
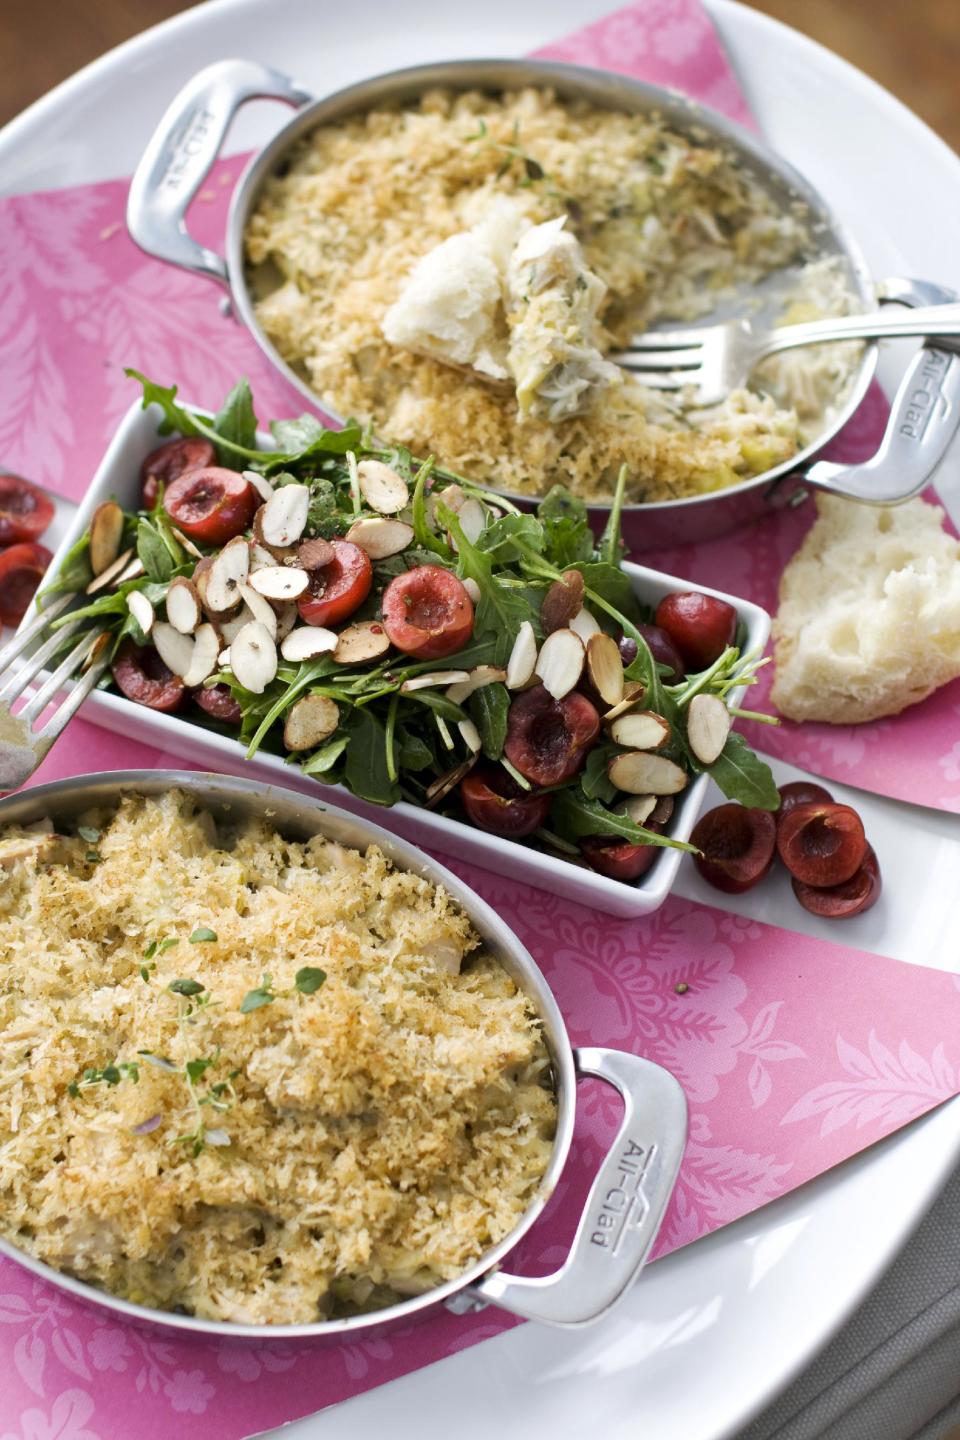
(307, 981)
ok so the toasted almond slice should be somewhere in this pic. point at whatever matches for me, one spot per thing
(448, 782)
(476, 679)
(132, 571)
(141, 610)
(366, 640)
(223, 659)
(523, 657)
(287, 617)
(433, 677)
(560, 662)
(106, 531)
(284, 517)
(219, 586)
(380, 538)
(203, 662)
(453, 496)
(277, 553)
(260, 558)
(470, 734)
(186, 542)
(280, 582)
(584, 624)
(112, 574)
(230, 629)
(662, 811)
(315, 554)
(260, 609)
(605, 668)
(383, 489)
(632, 694)
(183, 605)
(311, 720)
(260, 483)
(174, 649)
(563, 600)
(641, 730)
(253, 657)
(473, 517)
(637, 772)
(472, 589)
(637, 808)
(306, 642)
(708, 725)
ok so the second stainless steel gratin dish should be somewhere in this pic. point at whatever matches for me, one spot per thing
(925, 411)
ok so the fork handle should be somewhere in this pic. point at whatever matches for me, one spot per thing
(927, 320)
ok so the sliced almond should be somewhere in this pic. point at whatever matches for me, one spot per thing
(287, 617)
(632, 695)
(453, 496)
(584, 624)
(284, 517)
(183, 605)
(277, 553)
(605, 668)
(473, 517)
(112, 574)
(174, 649)
(230, 629)
(186, 542)
(383, 489)
(106, 532)
(314, 554)
(442, 787)
(380, 538)
(223, 659)
(260, 483)
(708, 725)
(280, 582)
(306, 642)
(219, 586)
(472, 589)
(641, 730)
(141, 610)
(470, 734)
(260, 558)
(310, 721)
(260, 609)
(203, 662)
(560, 662)
(433, 677)
(637, 772)
(476, 679)
(523, 657)
(366, 640)
(563, 600)
(637, 808)
(253, 657)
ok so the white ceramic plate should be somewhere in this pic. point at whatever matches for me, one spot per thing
(716, 1330)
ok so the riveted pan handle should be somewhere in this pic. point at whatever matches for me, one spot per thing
(923, 418)
(183, 148)
(625, 1206)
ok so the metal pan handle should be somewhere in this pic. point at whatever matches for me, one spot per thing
(623, 1211)
(923, 418)
(179, 156)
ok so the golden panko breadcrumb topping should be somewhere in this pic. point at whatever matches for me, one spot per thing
(325, 1113)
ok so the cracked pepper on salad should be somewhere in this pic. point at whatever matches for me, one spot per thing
(384, 625)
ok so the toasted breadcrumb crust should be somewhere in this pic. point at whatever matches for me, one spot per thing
(667, 224)
(384, 1131)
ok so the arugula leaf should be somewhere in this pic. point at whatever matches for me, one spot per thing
(236, 423)
(113, 604)
(594, 779)
(422, 530)
(323, 516)
(611, 584)
(573, 815)
(489, 707)
(75, 573)
(153, 553)
(366, 768)
(743, 776)
(501, 609)
(438, 703)
(174, 415)
(507, 537)
(326, 757)
(321, 443)
(412, 752)
(567, 536)
(611, 545)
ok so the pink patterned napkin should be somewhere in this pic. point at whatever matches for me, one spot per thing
(794, 1054)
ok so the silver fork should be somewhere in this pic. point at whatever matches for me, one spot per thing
(21, 746)
(716, 359)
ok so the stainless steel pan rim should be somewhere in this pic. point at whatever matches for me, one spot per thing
(604, 1257)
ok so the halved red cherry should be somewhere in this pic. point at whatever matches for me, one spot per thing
(701, 626)
(737, 845)
(218, 702)
(337, 588)
(21, 570)
(800, 792)
(211, 504)
(496, 803)
(822, 844)
(427, 612)
(841, 902)
(618, 859)
(547, 739)
(25, 512)
(169, 462)
(143, 677)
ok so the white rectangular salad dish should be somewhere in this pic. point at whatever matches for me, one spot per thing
(118, 478)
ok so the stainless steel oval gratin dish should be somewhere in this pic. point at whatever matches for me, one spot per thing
(629, 1195)
(925, 411)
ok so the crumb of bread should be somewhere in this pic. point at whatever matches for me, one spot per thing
(869, 617)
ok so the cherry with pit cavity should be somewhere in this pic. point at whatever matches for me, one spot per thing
(852, 897)
(737, 845)
(800, 792)
(143, 677)
(547, 739)
(427, 613)
(618, 859)
(700, 626)
(337, 588)
(211, 504)
(167, 463)
(25, 511)
(496, 803)
(821, 843)
(22, 568)
(218, 702)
